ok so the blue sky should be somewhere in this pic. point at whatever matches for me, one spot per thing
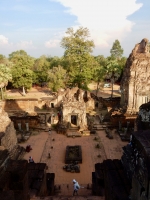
(37, 26)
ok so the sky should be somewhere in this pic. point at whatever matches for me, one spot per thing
(38, 26)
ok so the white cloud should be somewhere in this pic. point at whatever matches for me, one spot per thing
(25, 45)
(105, 19)
(3, 40)
(52, 43)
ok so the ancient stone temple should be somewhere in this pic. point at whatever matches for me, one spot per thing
(135, 83)
(75, 103)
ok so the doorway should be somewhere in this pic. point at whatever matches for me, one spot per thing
(74, 119)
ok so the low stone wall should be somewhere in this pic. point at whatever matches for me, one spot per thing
(123, 120)
(33, 122)
(27, 105)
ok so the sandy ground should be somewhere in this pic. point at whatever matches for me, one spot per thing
(42, 145)
(38, 92)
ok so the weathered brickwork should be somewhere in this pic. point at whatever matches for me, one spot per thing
(8, 134)
(135, 83)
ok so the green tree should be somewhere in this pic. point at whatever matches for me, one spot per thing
(5, 76)
(21, 70)
(113, 71)
(2, 58)
(99, 77)
(116, 50)
(57, 78)
(81, 63)
(100, 72)
(14, 54)
(54, 61)
(122, 62)
(40, 70)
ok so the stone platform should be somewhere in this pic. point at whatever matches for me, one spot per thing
(74, 134)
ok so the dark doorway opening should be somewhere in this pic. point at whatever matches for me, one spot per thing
(74, 119)
(49, 120)
(52, 105)
(96, 104)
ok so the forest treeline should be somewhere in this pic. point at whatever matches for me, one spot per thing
(77, 67)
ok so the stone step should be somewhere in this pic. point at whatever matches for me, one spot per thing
(86, 133)
(79, 197)
(99, 127)
(73, 134)
(67, 189)
(65, 192)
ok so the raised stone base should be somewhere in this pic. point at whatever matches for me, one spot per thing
(74, 134)
(85, 133)
(73, 154)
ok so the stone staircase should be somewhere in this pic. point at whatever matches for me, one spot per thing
(79, 197)
(65, 191)
(97, 124)
(69, 198)
(99, 127)
(73, 132)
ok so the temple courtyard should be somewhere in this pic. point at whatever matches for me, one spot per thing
(55, 144)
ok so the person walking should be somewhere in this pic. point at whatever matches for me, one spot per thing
(76, 187)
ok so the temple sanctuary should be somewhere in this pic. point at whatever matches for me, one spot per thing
(135, 83)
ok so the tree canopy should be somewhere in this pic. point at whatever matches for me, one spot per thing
(77, 54)
(40, 70)
(21, 70)
(77, 65)
(57, 78)
(113, 71)
(116, 50)
(5, 76)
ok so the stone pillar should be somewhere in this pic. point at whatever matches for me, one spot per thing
(19, 126)
(27, 126)
(128, 123)
(120, 125)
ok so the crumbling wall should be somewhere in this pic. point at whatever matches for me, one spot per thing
(27, 105)
(8, 138)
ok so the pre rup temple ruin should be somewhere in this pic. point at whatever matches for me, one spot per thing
(73, 112)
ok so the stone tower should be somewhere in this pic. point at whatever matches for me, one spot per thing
(135, 83)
